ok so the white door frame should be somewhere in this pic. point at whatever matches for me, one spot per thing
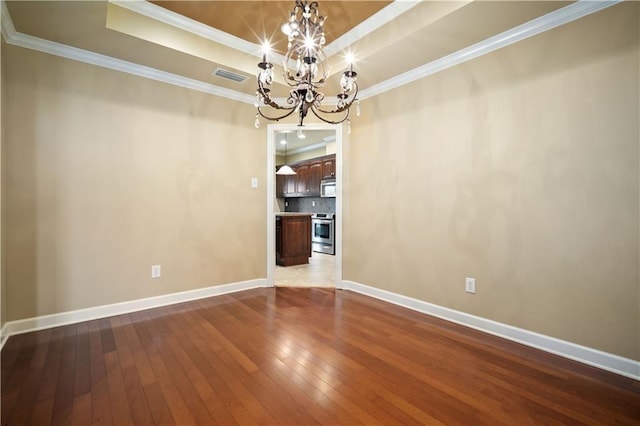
(271, 194)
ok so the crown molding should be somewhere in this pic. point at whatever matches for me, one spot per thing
(544, 23)
(529, 29)
(308, 148)
(184, 23)
(8, 30)
(384, 16)
(153, 11)
(81, 55)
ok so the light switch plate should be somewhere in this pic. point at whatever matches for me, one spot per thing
(155, 271)
(254, 182)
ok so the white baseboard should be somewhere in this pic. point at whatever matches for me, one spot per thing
(48, 321)
(596, 358)
(606, 361)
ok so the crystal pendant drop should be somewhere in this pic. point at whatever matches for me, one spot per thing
(357, 108)
(306, 69)
(257, 122)
(343, 82)
(348, 126)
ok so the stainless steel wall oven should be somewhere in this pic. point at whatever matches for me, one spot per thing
(323, 233)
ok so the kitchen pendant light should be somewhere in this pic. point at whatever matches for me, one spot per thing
(285, 170)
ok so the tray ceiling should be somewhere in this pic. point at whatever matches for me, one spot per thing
(184, 42)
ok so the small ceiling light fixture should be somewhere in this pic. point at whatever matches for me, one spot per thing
(284, 169)
(305, 30)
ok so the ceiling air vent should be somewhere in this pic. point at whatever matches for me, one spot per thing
(229, 75)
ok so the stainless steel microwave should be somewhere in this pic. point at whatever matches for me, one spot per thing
(328, 188)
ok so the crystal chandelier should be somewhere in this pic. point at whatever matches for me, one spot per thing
(305, 70)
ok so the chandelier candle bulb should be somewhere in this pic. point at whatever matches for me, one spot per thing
(305, 33)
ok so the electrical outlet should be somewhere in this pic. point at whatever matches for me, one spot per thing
(470, 285)
(313, 204)
(254, 182)
(155, 271)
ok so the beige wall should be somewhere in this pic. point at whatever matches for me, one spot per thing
(521, 169)
(110, 173)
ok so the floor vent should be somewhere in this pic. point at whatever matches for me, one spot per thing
(229, 75)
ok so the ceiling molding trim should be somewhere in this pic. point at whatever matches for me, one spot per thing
(384, 16)
(168, 17)
(308, 148)
(536, 26)
(8, 29)
(176, 20)
(544, 23)
(73, 53)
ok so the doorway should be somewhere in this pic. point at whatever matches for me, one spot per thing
(272, 131)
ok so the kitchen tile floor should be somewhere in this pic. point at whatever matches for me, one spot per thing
(319, 272)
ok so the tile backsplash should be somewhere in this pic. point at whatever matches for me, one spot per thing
(322, 205)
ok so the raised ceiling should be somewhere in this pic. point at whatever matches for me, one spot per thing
(253, 20)
(184, 42)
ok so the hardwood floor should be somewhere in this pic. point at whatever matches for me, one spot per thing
(296, 356)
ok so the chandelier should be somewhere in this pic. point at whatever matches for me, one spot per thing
(305, 71)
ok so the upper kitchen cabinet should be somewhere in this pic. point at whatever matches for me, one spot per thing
(329, 167)
(306, 181)
(315, 176)
(279, 185)
(286, 185)
(290, 184)
(302, 184)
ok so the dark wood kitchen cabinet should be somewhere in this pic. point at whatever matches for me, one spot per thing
(286, 185)
(315, 176)
(289, 187)
(306, 181)
(329, 167)
(279, 185)
(293, 239)
(302, 179)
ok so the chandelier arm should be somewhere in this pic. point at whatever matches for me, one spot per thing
(316, 112)
(290, 80)
(346, 107)
(285, 115)
(334, 111)
(270, 102)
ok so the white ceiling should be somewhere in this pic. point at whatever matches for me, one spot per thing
(313, 139)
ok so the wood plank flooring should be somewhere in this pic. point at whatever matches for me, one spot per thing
(298, 356)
